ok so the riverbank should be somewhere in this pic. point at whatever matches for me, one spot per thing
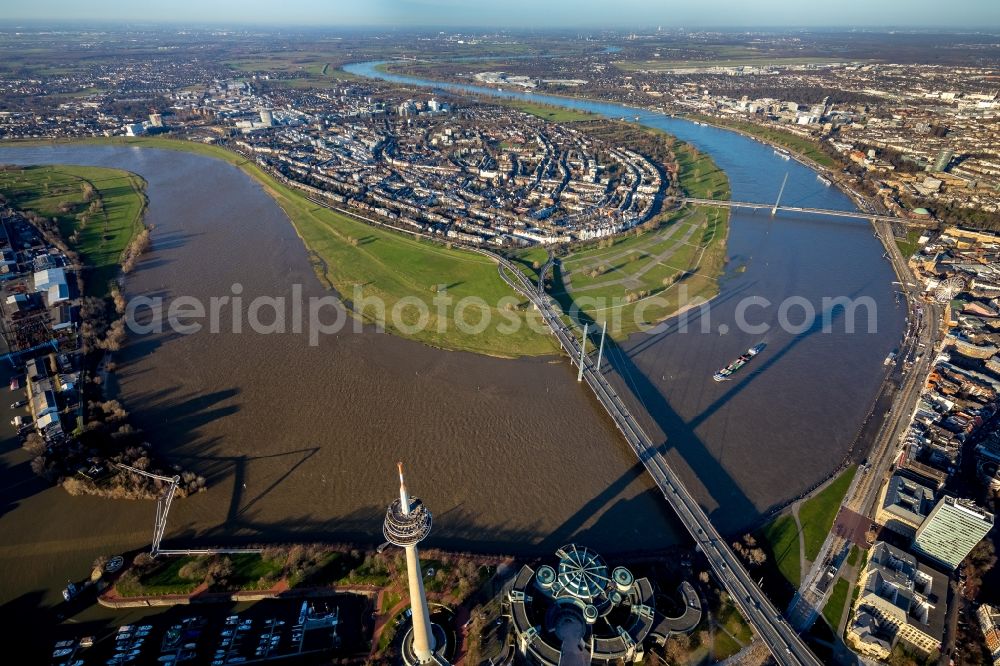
(98, 212)
(91, 220)
(804, 149)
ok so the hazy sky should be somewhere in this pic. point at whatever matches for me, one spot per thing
(982, 14)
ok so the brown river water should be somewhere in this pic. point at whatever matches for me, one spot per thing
(299, 443)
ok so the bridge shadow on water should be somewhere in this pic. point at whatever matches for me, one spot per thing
(717, 491)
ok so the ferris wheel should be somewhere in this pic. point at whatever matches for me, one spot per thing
(948, 289)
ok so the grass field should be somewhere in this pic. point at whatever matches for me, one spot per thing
(699, 177)
(644, 279)
(818, 512)
(736, 635)
(782, 541)
(528, 258)
(834, 608)
(58, 192)
(806, 147)
(908, 246)
(636, 280)
(555, 114)
(754, 60)
(306, 68)
(165, 578)
(389, 266)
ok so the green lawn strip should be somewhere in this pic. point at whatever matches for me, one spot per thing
(732, 632)
(781, 540)
(249, 568)
(626, 268)
(390, 266)
(165, 579)
(57, 192)
(389, 600)
(609, 303)
(908, 246)
(628, 257)
(528, 257)
(698, 175)
(724, 646)
(645, 241)
(852, 556)
(733, 621)
(552, 113)
(834, 608)
(818, 512)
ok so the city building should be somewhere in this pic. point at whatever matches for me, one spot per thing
(899, 600)
(579, 612)
(267, 118)
(952, 530)
(943, 160)
(989, 620)
(407, 523)
(155, 120)
(904, 505)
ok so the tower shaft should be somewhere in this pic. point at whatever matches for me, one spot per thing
(407, 523)
(423, 636)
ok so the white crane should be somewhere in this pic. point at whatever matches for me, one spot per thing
(162, 503)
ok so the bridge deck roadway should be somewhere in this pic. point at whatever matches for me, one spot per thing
(719, 203)
(783, 642)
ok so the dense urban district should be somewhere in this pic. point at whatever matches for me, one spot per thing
(892, 559)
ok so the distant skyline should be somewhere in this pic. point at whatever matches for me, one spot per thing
(978, 14)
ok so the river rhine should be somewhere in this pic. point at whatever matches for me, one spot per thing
(299, 442)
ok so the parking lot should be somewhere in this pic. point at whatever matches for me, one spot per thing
(301, 631)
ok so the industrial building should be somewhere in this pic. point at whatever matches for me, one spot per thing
(952, 530)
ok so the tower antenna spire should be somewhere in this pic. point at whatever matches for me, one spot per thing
(404, 497)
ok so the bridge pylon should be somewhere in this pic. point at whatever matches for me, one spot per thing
(774, 211)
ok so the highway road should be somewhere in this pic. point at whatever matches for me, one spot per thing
(783, 642)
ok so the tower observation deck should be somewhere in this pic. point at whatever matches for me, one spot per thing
(407, 523)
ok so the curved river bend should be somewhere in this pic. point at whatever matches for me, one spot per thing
(789, 418)
(512, 456)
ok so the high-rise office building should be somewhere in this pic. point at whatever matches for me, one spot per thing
(952, 530)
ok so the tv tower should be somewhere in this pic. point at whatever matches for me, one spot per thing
(407, 523)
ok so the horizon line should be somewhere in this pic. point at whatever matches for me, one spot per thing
(656, 28)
